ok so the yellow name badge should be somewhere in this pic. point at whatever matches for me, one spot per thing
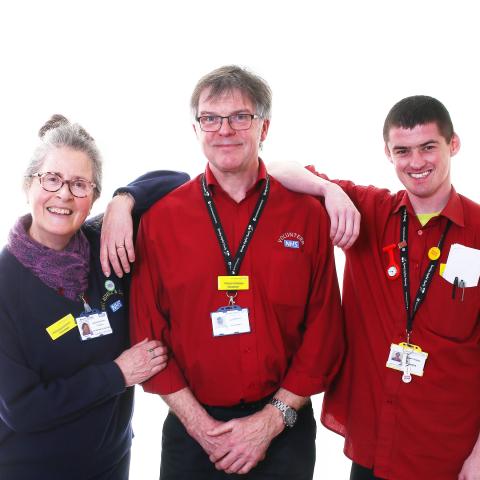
(62, 326)
(233, 282)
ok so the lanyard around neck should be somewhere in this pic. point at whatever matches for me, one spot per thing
(427, 276)
(233, 263)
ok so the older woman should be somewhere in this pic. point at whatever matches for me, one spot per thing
(65, 365)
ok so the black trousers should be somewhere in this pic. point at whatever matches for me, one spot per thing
(291, 455)
(362, 473)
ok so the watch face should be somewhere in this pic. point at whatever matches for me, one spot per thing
(290, 417)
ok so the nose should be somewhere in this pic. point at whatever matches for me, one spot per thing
(416, 160)
(225, 128)
(64, 192)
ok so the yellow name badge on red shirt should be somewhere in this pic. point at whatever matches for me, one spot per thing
(233, 282)
(62, 326)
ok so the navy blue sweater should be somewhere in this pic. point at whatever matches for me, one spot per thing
(64, 410)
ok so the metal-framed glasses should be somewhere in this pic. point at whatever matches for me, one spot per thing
(51, 182)
(237, 121)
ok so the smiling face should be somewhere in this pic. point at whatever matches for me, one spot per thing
(57, 216)
(421, 157)
(228, 150)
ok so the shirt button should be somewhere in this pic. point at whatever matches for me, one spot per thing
(420, 232)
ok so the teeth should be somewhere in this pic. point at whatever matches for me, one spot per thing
(420, 175)
(59, 211)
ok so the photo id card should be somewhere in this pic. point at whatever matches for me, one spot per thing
(93, 325)
(230, 320)
(405, 357)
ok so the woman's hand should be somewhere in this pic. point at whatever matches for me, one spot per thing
(142, 361)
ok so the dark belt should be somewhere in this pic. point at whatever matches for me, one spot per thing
(242, 406)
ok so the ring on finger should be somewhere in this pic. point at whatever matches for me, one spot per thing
(152, 351)
(119, 246)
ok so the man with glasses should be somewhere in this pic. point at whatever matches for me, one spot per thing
(236, 275)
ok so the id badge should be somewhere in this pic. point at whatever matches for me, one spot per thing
(230, 320)
(93, 325)
(407, 358)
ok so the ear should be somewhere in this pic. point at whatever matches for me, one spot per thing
(388, 154)
(454, 145)
(264, 132)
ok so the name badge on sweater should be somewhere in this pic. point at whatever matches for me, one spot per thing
(93, 325)
(62, 326)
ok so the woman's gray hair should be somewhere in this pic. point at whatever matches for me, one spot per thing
(232, 77)
(59, 132)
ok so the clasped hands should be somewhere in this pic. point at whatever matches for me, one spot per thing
(240, 444)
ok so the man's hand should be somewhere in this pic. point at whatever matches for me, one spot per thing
(244, 441)
(116, 242)
(205, 423)
(471, 467)
(344, 217)
(194, 418)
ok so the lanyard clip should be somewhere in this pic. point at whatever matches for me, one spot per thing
(231, 298)
(86, 306)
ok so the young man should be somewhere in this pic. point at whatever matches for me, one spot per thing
(236, 275)
(408, 294)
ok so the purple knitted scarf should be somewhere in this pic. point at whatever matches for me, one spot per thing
(66, 271)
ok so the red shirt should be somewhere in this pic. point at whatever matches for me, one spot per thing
(425, 429)
(296, 338)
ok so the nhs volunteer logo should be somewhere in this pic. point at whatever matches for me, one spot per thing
(291, 244)
(291, 240)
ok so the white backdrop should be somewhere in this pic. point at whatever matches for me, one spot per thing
(125, 70)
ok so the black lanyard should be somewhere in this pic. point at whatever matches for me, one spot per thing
(427, 277)
(233, 264)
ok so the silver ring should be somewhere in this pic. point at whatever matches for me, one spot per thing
(151, 350)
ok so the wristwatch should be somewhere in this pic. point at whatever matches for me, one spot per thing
(289, 414)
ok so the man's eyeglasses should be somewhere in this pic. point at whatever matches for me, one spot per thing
(237, 121)
(51, 182)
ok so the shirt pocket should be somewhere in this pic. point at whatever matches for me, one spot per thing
(288, 277)
(457, 317)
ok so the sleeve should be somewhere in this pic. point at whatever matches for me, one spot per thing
(364, 197)
(29, 404)
(147, 318)
(320, 353)
(152, 186)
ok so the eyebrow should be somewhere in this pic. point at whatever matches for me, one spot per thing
(424, 144)
(207, 112)
(75, 177)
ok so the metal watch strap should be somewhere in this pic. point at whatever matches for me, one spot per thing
(289, 420)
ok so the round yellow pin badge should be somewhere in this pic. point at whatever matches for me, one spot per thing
(434, 253)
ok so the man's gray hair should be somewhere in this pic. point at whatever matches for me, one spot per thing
(232, 77)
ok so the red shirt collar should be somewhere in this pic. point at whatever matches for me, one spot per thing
(262, 176)
(453, 210)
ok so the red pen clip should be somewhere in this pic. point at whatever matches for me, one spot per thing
(393, 270)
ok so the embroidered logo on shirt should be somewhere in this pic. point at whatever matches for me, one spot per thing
(291, 240)
(291, 244)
